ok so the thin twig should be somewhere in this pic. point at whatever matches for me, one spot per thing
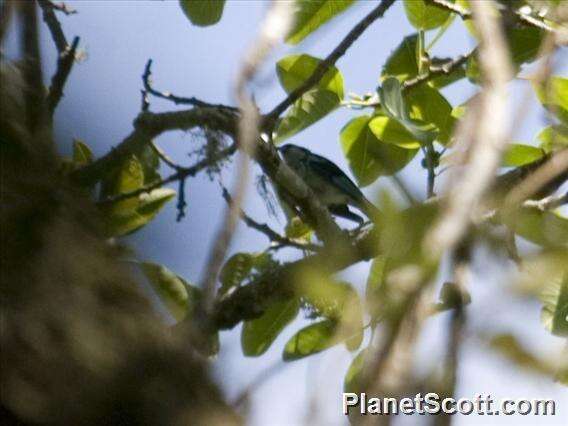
(466, 14)
(178, 100)
(331, 59)
(64, 66)
(549, 203)
(162, 155)
(271, 234)
(148, 126)
(446, 68)
(62, 7)
(555, 167)
(181, 174)
(54, 26)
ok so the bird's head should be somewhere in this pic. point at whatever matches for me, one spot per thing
(293, 153)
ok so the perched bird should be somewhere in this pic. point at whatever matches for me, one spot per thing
(329, 183)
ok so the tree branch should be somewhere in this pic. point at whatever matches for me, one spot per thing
(178, 100)
(249, 302)
(182, 173)
(54, 26)
(272, 235)
(64, 66)
(466, 14)
(446, 68)
(330, 60)
(149, 125)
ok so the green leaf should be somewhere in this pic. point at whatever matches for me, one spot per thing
(394, 105)
(203, 12)
(82, 154)
(150, 162)
(553, 138)
(257, 335)
(391, 131)
(240, 266)
(177, 295)
(125, 219)
(517, 155)
(130, 178)
(298, 230)
(402, 61)
(310, 108)
(545, 228)
(554, 313)
(509, 346)
(368, 156)
(423, 16)
(352, 380)
(235, 271)
(311, 14)
(311, 340)
(524, 44)
(294, 70)
(427, 105)
(554, 96)
(402, 64)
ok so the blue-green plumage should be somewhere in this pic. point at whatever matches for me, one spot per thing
(328, 182)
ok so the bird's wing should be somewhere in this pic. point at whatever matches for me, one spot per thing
(334, 175)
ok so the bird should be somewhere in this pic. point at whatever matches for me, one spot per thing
(328, 182)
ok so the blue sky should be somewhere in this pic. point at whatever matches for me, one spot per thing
(103, 97)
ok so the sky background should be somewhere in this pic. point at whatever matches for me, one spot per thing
(102, 98)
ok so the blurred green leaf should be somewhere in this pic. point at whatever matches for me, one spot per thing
(508, 346)
(150, 162)
(240, 266)
(294, 70)
(452, 297)
(425, 16)
(524, 43)
(82, 154)
(402, 64)
(352, 380)
(123, 219)
(545, 228)
(235, 270)
(296, 229)
(427, 105)
(402, 61)
(203, 12)
(310, 108)
(554, 96)
(311, 340)
(391, 131)
(177, 295)
(553, 138)
(257, 335)
(517, 155)
(315, 104)
(311, 14)
(368, 156)
(394, 105)
(554, 298)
